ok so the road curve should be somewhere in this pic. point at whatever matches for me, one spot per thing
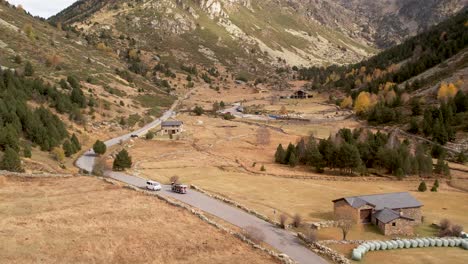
(284, 241)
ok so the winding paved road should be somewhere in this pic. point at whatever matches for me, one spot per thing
(284, 241)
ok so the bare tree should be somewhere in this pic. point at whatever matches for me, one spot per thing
(297, 220)
(345, 221)
(100, 166)
(263, 136)
(174, 179)
(253, 233)
(283, 218)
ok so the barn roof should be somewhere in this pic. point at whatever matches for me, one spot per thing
(381, 201)
(172, 123)
(387, 215)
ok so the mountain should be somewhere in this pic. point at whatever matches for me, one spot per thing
(382, 23)
(250, 33)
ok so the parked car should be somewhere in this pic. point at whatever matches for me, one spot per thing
(153, 186)
(179, 188)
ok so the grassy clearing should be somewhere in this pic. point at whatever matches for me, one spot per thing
(85, 220)
(153, 100)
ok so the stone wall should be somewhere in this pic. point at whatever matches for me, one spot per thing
(324, 251)
(398, 226)
(414, 213)
(342, 207)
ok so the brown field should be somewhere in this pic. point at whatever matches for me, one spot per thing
(85, 220)
(413, 255)
(210, 156)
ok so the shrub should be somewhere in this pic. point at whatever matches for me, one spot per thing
(457, 230)
(27, 152)
(263, 168)
(422, 187)
(297, 220)
(11, 161)
(283, 218)
(198, 110)
(253, 233)
(58, 154)
(434, 189)
(149, 135)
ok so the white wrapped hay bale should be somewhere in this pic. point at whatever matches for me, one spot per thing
(377, 245)
(452, 242)
(383, 245)
(426, 242)
(389, 245)
(371, 246)
(445, 242)
(464, 244)
(356, 255)
(458, 241)
(366, 247)
(401, 244)
(432, 242)
(439, 242)
(414, 243)
(407, 243)
(420, 242)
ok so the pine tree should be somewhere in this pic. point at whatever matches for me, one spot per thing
(436, 183)
(280, 155)
(75, 143)
(68, 148)
(122, 161)
(99, 147)
(11, 161)
(422, 187)
(289, 151)
(293, 160)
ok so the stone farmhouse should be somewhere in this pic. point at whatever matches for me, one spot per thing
(172, 127)
(392, 213)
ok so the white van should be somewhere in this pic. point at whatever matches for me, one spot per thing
(153, 186)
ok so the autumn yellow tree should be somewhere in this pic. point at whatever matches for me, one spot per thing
(29, 31)
(363, 103)
(446, 91)
(347, 102)
(390, 97)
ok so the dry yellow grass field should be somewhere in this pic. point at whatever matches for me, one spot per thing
(413, 255)
(85, 220)
(209, 158)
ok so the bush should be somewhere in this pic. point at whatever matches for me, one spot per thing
(263, 168)
(422, 187)
(198, 110)
(297, 220)
(150, 135)
(11, 161)
(283, 218)
(253, 233)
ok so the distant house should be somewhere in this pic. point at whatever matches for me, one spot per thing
(171, 127)
(392, 213)
(301, 94)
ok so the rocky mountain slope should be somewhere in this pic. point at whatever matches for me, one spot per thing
(244, 33)
(381, 23)
(248, 32)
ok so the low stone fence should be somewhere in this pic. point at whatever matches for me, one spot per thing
(323, 250)
(281, 257)
(323, 224)
(236, 204)
(35, 175)
(360, 251)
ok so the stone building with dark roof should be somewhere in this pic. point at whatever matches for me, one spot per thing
(172, 127)
(392, 213)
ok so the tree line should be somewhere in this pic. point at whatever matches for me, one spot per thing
(358, 151)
